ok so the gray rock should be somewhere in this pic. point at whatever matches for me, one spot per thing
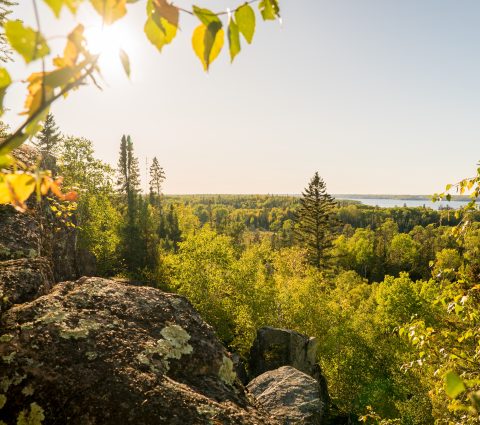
(24, 280)
(290, 396)
(96, 351)
(275, 347)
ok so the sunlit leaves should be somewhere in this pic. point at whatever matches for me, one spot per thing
(5, 81)
(110, 10)
(38, 93)
(207, 43)
(26, 41)
(208, 38)
(162, 10)
(269, 9)
(454, 385)
(233, 39)
(15, 142)
(245, 19)
(57, 5)
(16, 188)
(157, 36)
(5, 161)
(74, 46)
(125, 62)
(162, 23)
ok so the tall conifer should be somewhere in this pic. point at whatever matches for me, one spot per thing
(49, 138)
(316, 222)
(129, 187)
(157, 177)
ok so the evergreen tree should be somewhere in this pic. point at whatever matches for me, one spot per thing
(5, 10)
(128, 172)
(129, 188)
(315, 221)
(49, 138)
(157, 177)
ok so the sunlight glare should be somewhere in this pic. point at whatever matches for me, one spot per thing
(107, 41)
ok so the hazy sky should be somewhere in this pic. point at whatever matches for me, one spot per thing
(379, 96)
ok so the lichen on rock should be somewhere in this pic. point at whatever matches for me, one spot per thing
(226, 371)
(173, 346)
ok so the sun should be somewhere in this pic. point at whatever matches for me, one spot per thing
(107, 41)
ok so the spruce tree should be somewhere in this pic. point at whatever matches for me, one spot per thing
(157, 177)
(128, 170)
(49, 138)
(129, 188)
(5, 10)
(316, 222)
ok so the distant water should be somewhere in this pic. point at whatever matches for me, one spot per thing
(390, 203)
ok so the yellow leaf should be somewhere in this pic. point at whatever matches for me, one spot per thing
(110, 10)
(37, 93)
(159, 37)
(15, 189)
(207, 43)
(74, 46)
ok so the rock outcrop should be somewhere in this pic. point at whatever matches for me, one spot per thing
(97, 351)
(272, 351)
(24, 280)
(41, 233)
(291, 396)
(274, 347)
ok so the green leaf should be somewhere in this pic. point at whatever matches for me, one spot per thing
(233, 39)
(125, 62)
(6, 161)
(5, 81)
(454, 385)
(15, 143)
(245, 18)
(35, 125)
(26, 41)
(60, 77)
(206, 16)
(269, 9)
(207, 43)
(159, 37)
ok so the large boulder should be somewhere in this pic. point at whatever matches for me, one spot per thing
(291, 396)
(275, 347)
(97, 351)
(24, 280)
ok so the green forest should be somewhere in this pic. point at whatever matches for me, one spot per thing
(391, 293)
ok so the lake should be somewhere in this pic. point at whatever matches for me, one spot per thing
(393, 202)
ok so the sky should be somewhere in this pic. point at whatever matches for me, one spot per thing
(378, 96)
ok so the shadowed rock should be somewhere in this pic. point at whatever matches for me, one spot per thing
(275, 347)
(24, 280)
(97, 351)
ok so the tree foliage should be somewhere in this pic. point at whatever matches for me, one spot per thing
(315, 221)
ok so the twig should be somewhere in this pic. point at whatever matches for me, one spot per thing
(6, 144)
